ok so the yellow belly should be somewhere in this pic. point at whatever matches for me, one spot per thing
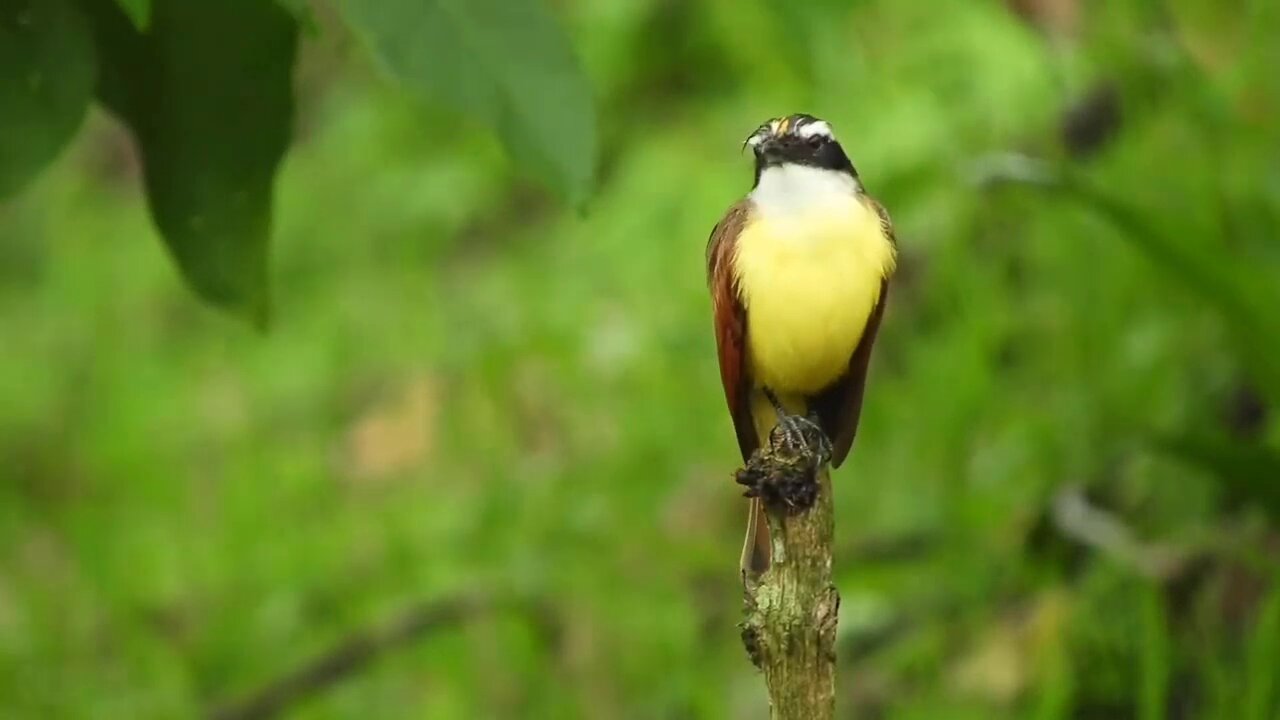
(809, 283)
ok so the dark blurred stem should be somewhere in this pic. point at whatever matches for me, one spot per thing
(356, 653)
(792, 607)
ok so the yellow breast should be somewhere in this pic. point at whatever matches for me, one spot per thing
(809, 281)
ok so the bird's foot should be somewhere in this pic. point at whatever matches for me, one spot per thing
(800, 435)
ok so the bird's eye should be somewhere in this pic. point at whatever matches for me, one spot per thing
(815, 142)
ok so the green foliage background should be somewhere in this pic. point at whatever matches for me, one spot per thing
(472, 384)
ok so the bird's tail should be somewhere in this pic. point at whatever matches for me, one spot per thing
(755, 549)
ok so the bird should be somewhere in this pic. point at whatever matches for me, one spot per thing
(798, 272)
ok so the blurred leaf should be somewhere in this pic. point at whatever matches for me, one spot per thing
(1215, 34)
(505, 62)
(46, 77)
(207, 92)
(1262, 686)
(797, 25)
(139, 12)
(1243, 295)
(804, 28)
(301, 11)
(1213, 280)
(1155, 656)
(1248, 471)
(297, 8)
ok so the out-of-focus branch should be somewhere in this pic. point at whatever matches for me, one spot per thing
(356, 652)
(791, 608)
(1096, 528)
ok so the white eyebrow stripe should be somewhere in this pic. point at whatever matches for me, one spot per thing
(805, 130)
(818, 127)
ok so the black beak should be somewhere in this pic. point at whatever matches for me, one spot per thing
(774, 149)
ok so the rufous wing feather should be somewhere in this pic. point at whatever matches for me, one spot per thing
(731, 325)
(731, 347)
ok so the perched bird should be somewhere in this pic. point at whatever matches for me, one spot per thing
(799, 273)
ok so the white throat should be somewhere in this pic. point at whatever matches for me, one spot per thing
(789, 189)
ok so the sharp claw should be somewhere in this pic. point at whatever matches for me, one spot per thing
(797, 430)
(795, 433)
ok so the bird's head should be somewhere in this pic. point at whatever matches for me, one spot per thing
(798, 140)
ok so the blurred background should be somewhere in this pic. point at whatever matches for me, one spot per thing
(1064, 501)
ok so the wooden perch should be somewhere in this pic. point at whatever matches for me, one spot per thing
(791, 608)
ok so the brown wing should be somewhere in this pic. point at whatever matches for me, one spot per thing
(839, 407)
(886, 225)
(731, 324)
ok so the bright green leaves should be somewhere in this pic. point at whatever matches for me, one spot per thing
(207, 93)
(206, 89)
(503, 62)
(46, 80)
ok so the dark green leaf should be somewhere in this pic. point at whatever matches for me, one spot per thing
(1248, 471)
(139, 12)
(207, 92)
(46, 80)
(505, 62)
